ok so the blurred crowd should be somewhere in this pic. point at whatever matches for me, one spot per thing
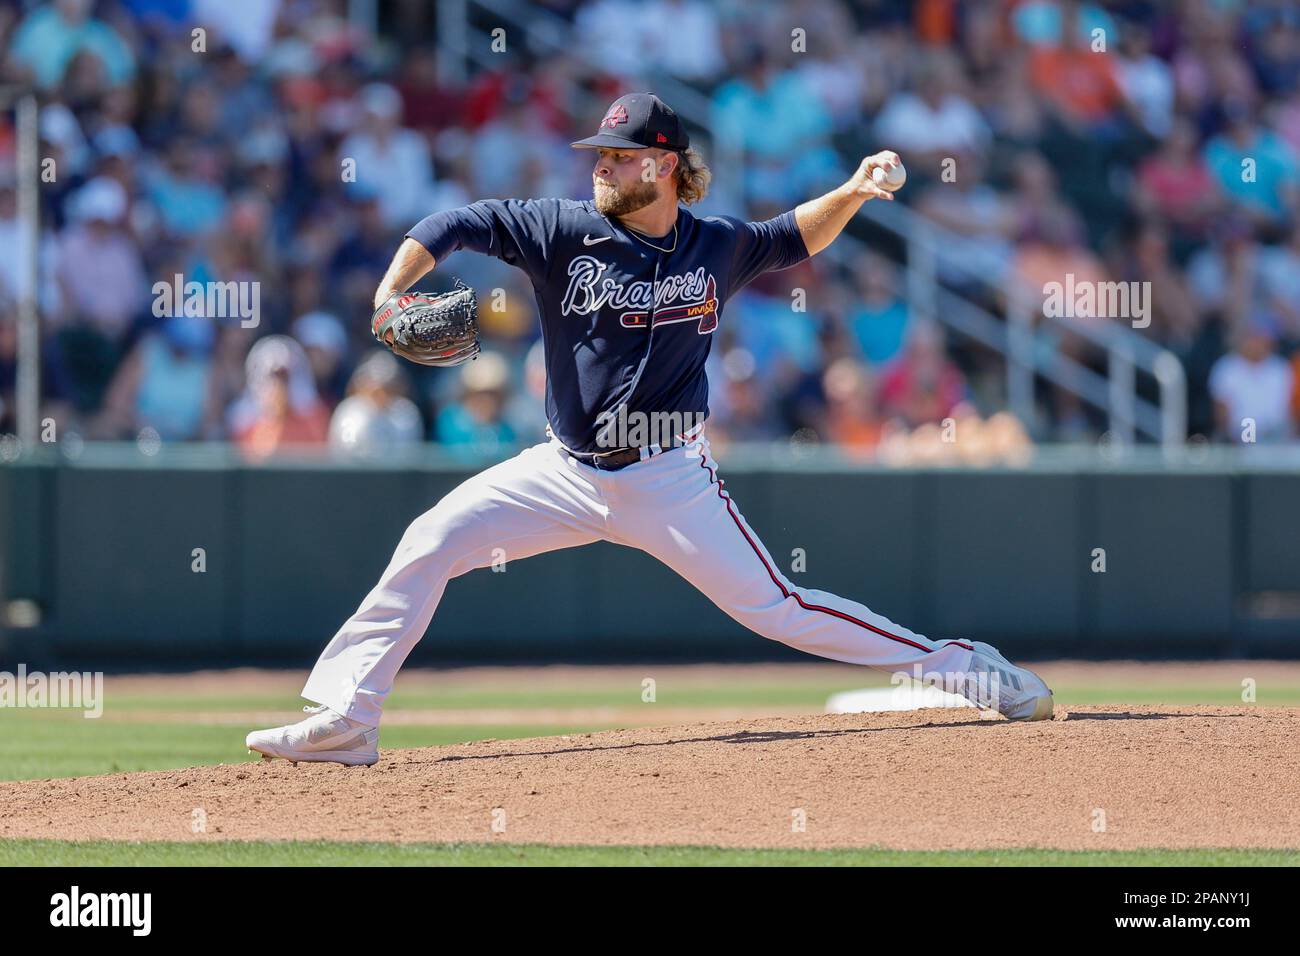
(286, 146)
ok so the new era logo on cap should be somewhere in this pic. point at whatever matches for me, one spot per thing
(638, 121)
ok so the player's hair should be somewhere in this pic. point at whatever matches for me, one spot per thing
(693, 177)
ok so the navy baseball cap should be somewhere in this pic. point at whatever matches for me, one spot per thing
(638, 121)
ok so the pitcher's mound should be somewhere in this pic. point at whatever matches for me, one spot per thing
(1093, 778)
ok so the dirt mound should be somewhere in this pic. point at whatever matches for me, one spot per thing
(1095, 778)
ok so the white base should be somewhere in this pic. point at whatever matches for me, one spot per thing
(909, 696)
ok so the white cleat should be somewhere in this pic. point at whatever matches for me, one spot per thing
(997, 684)
(323, 736)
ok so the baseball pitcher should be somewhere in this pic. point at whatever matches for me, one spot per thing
(631, 288)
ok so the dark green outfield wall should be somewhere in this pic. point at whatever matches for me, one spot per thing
(1199, 562)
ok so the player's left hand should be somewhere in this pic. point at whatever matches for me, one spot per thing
(885, 159)
(430, 329)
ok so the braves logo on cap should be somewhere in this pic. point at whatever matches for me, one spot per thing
(615, 116)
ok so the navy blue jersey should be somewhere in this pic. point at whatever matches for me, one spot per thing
(623, 325)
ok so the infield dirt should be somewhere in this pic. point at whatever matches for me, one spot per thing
(1112, 777)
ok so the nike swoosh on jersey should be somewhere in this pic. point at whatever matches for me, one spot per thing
(588, 241)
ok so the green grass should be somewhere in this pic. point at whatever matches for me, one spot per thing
(810, 692)
(54, 744)
(318, 853)
(1204, 694)
(472, 695)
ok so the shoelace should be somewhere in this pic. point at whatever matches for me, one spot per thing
(321, 709)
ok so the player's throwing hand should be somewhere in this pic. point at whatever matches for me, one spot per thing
(865, 182)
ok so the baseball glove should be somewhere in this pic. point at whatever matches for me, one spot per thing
(430, 328)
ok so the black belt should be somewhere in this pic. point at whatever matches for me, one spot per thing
(614, 460)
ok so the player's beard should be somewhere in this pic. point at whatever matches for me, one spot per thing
(613, 201)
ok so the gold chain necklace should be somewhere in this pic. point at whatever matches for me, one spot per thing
(637, 235)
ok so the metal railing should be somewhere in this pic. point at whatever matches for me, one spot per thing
(1026, 339)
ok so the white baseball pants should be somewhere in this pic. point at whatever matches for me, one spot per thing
(672, 506)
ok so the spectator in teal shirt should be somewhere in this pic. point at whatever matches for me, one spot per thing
(189, 203)
(783, 128)
(879, 318)
(50, 36)
(476, 422)
(1264, 188)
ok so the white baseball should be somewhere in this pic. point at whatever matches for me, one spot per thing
(891, 179)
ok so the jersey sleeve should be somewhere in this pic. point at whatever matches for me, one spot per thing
(765, 247)
(519, 232)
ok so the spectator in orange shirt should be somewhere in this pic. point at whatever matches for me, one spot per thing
(280, 406)
(1295, 388)
(852, 421)
(1081, 85)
